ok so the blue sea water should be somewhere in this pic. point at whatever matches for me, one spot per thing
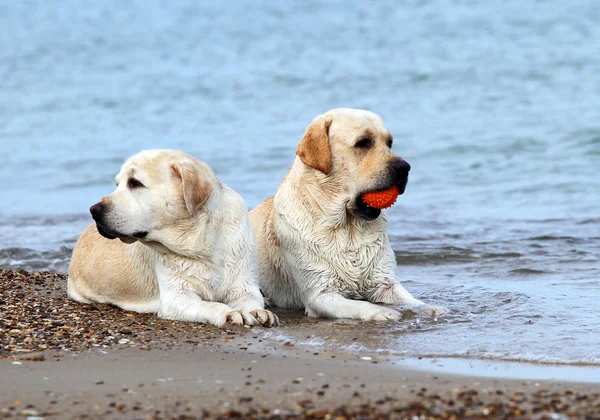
(496, 105)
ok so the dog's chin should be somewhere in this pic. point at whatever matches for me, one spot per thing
(111, 234)
(134, 237)
(127, 239)
(108, 234)
(365, 212)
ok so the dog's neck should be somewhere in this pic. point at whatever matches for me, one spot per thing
(189, 238)
(325, 199)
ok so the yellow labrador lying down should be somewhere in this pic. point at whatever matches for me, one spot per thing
(186, 249)
(319, 245)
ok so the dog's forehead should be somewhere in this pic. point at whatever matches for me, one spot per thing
(352, 122)
(147, 164)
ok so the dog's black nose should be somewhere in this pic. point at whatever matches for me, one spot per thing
(401, 167)
(97, 209)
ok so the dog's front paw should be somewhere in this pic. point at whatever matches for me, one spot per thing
(240, 318)
(384, 314)
(265, 317)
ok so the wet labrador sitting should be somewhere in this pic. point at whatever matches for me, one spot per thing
(320, 246)
(184, 250)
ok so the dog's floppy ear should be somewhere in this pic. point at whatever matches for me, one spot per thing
(314, 149)
(196, 190)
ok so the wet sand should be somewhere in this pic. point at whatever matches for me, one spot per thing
(65, 360)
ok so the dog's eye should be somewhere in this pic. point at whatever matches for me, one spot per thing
(134, 183)
(390, 143)
(363, 143)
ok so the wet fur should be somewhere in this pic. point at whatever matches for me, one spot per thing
(314, 252)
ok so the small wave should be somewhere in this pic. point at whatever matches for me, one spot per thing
(501, 255)
(400, 239)
(26, 221)
(568, 239)
(443, 255)
(355, 348)
(519, 358)
(32, 260)
(585, 141)
(591, 221)
(528, 271)
(543, 221)
(276, 336)
(507, 148)
(379, 347)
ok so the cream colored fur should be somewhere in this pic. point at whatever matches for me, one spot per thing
(197, 261)
(314, 251)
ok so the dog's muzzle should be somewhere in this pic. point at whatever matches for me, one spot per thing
(98, 210)
(397, 175)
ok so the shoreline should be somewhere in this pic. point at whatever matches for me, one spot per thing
(63, 359)
(505, 370)
(222, 380)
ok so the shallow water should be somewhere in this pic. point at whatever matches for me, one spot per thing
(495, 104)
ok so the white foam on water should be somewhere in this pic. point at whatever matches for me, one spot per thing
(505, 369)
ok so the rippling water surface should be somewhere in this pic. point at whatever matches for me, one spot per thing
(495, 104)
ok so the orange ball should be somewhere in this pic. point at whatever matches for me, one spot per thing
(381, 199)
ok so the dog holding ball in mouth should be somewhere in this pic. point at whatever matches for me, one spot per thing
(322, 240)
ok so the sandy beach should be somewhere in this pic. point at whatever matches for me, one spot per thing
(65, 360)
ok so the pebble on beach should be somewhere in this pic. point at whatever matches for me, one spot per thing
(36, 316)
